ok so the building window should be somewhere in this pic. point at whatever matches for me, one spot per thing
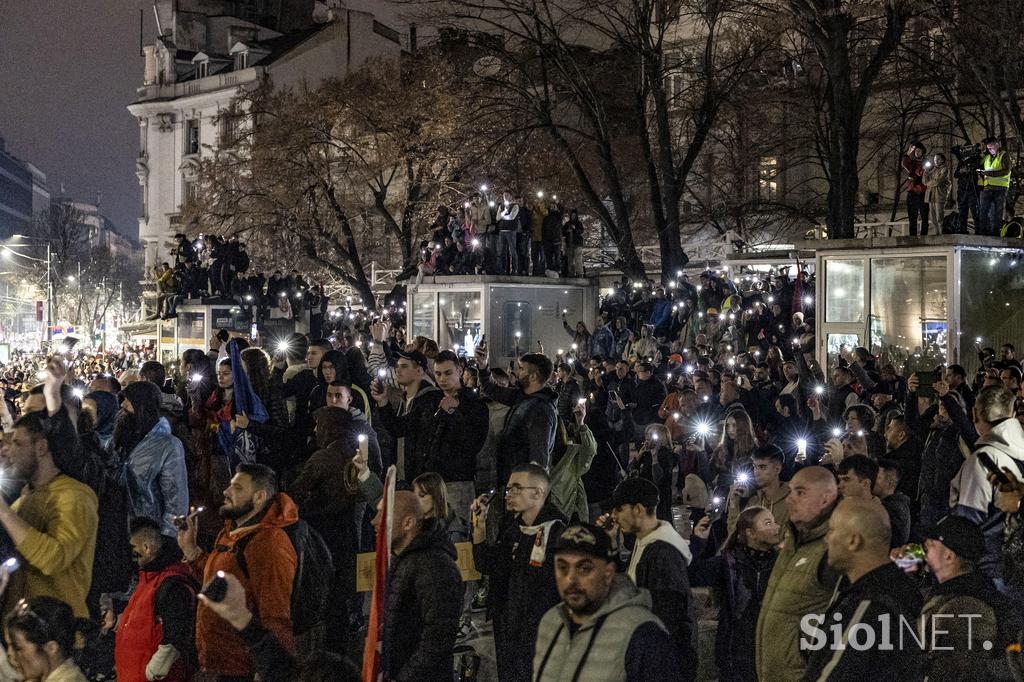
(192, 136)
(230, 121)
(145, 201)
(189, 192)
(241, 60)
(768, 179)
(203, 69)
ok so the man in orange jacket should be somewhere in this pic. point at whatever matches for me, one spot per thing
(252, 507)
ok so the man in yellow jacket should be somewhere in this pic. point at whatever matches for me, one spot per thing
(53, 523)
(995, 172)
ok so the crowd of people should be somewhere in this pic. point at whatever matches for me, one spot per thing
(690, 440)
(210, 266)
(504, 234)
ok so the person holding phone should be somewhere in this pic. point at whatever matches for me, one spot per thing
(1001, 443)
(529, 431)
(519, 566)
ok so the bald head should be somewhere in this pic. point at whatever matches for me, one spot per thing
(813, 492)
(867, 518)
(858, 536)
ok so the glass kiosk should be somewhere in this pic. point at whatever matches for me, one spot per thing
(918, 302)
(515, 312)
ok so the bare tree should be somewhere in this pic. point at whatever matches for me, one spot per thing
(626, 92)
(852, 42)
(339, 175)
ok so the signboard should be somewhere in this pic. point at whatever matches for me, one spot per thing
(366, 568)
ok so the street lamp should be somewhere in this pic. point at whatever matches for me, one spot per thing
(49, 280)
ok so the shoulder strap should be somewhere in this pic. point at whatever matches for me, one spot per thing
(590, 644)
(547, 654)
(239, 550)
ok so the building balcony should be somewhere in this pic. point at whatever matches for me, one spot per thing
(218, 81)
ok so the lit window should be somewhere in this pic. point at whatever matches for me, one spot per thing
(767, 178)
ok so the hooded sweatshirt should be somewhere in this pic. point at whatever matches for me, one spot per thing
(658, 565)
(971, 496)
(622, 641)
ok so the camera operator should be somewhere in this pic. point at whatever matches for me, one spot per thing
(995, 171)
(914, 168)
(968, 184)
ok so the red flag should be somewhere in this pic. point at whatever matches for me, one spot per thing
(372, 668)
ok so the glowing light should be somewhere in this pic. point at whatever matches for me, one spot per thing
(836, 433)
(819, 389)
(703, 428)
(483, 188)
(808, 300)
(743, 477)
(282, 346)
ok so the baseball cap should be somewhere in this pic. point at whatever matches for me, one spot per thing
(414, 356)
(959, 534)
(633, 491)
(585, 538)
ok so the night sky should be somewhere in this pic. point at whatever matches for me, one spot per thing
(67, 71)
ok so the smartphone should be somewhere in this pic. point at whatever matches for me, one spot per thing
(924, 384)
(717, 508)
(992, 468)
(254, 332)
(223, 335)
(217, 589)
(614, 395)
(181, 522)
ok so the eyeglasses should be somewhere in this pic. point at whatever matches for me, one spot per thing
(515, 488)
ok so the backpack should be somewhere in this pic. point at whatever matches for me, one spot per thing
(314, 574)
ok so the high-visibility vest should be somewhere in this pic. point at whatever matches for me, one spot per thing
(996, 163)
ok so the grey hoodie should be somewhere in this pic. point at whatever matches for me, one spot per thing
(621, 638)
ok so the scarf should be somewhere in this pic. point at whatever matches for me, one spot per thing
(541, 533)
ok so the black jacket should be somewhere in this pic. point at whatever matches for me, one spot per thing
(415, 426)
(529, 431)
(85, 460)
(739, 577)
(520, 593)
(422, 606)
(648, 396)
(662, 571)
(884, 592)
(908, 456)
(569, 393)
(451, 442)
(898, 506)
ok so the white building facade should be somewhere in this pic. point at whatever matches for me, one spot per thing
(208, 51)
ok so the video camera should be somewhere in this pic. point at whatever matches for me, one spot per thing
(968, 155)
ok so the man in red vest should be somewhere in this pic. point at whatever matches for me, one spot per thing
(156, 631)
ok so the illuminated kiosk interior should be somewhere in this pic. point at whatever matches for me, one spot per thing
(514, 312)
(918, 302)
